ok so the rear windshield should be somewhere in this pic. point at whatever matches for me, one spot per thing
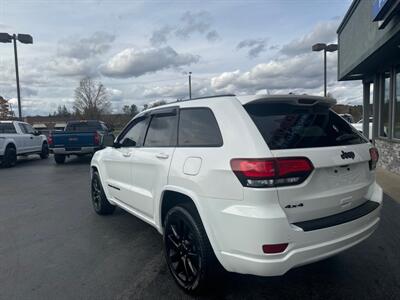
(7, 128)
(83, 127)
(289, 126)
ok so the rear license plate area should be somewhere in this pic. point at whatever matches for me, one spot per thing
(73, 149)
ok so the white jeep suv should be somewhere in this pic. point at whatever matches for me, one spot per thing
(260, 184)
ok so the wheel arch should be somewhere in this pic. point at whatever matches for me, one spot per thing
(10, 144)
(172, 196)
(96, 168)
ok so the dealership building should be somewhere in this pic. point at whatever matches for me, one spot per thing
(369, 50)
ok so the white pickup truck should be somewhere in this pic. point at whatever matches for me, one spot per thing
(19, 138)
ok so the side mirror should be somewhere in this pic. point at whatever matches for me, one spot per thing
(37, 133)
(108, 140)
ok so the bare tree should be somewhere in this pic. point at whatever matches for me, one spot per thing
(91, 99)
(5, 109)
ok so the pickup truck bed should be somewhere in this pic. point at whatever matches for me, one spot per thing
(66, 142)
(78, 138)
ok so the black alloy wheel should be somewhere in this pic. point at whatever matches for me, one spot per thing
(96, 194)
(10, 157)
(45, 151)
(183, 252)
(100, 202)
(188, 252)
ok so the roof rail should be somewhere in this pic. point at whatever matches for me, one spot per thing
(205, 97)
(198, 98)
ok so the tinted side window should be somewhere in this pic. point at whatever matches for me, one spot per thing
(132, 137)
(23, 128)
(287, 126)
(83, 126)
(7, 128)
(198, 128)
(161, 132)
(28, 128)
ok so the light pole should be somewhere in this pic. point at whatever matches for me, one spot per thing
(25, 39)
(190, 85)
(326, 48)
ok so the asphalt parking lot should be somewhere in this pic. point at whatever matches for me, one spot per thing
(53, 246)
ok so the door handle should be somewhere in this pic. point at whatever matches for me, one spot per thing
(126, 154)
(162, 155)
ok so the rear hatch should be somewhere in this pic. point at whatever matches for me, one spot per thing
(339, 155)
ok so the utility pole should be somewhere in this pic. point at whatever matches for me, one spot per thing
(190, 85)
(25, 39)
(14, 37)
(326, 48)
(325, 72)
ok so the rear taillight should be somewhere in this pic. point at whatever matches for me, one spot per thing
(50, 140)
(96, 138)
(261, 173)
(374, 158)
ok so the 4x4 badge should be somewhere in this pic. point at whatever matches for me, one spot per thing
(346, 155)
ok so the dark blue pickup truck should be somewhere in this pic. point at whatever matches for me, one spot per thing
(78, 138)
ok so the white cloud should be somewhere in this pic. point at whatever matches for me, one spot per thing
(199, 22)
(295, 72)
(133, 62)
(190, 23)
(180, 90)
(70, 66)
(160, 36)
(298, 74)
(81, 56)
(324, 32)
(81, 48)
(115, 95)
(254, 46)
(213, 36)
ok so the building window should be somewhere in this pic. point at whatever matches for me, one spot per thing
(385, 106)
(396, 123)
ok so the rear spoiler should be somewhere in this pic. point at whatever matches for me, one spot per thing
(304, 100)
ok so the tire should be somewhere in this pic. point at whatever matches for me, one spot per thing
(45, 151)
(59, 158)
(100, 202)
(10, 157)
(188, 252)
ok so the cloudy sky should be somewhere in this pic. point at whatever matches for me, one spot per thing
(142, 50)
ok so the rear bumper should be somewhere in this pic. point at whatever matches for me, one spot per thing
(240, 240)
(82, 150)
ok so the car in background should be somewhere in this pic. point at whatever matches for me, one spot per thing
(359, 126)
(347, 117)
(82, 137)
(20, 139)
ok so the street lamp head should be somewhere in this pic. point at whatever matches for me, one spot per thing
(332, 47)
(25, 38)
(318, 47)
(5, 37)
